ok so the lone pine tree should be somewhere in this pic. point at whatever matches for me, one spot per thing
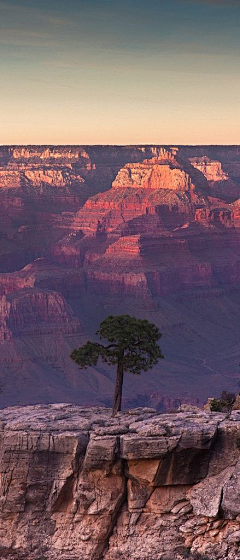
(132, 348)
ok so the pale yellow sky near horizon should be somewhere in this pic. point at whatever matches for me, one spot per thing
(110, 72)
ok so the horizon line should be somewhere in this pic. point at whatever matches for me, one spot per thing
(169, 145)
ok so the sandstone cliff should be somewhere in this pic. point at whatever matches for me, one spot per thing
(76, 483)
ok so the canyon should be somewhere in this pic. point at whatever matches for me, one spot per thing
(89, 231)
(76, 482)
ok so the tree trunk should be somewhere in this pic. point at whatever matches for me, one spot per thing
(117, 402)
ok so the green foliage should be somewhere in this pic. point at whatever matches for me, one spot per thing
(136, 339)
(216, 405)
(87, 355)
(224, 403)
(132, 348)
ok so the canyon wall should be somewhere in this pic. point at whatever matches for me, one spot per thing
(76, 482)
(88, 231)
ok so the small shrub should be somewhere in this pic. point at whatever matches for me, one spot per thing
(216, 405)
(228, 400)
(224, 404)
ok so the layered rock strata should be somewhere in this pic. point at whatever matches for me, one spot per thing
(77, 483)
(88, 231)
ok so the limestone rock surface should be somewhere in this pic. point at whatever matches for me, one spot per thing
(77, 483)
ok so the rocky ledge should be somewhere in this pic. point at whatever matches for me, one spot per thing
(77, 483)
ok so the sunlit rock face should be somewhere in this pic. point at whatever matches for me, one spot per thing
(77, 482)
(212, 170)
(153, 174)
(152, 231)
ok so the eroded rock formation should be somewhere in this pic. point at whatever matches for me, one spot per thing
(149, 230)
(77, 483)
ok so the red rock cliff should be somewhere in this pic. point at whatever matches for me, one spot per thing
(148, 230)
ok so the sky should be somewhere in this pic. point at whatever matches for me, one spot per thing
(120, 72)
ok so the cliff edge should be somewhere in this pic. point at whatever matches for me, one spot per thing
(76, 483)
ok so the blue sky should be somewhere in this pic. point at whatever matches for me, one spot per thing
(118, 72)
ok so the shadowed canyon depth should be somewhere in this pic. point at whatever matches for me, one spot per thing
(87, 231)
